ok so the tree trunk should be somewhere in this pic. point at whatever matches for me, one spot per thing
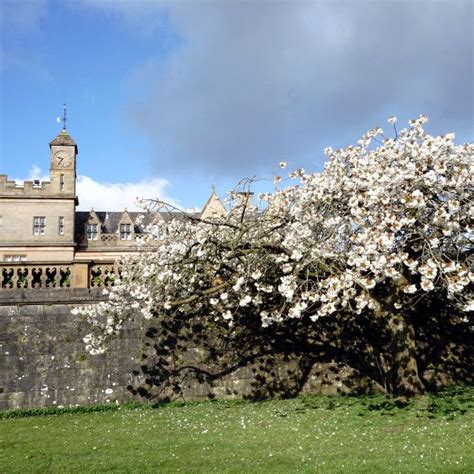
(404, 355)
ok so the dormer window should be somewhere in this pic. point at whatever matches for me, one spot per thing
(125, 231)
(92, 231)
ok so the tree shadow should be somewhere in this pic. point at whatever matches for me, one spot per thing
(190, 356)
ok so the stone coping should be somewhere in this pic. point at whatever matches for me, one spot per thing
(51, 296)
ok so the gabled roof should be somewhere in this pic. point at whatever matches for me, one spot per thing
(93, 217)
(126, 217)
(213, 206)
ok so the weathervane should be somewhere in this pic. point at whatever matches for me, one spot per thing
(64, 119)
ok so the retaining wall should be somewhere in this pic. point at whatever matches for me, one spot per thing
(43, 361)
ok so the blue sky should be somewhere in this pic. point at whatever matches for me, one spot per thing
(166, 98)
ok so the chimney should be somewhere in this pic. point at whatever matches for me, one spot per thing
(245, 198)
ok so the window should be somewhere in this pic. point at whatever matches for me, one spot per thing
(61, 183)
(14, 258)
(92, 231)
(39, 225)
(61, 225)
(125, 231)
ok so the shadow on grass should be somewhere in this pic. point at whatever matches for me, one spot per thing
(449, 403)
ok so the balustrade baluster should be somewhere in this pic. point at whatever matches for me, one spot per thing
(56, 279)
(43, 277)
(15, 277)
(116, 272)
(65, 277)
(29, 278)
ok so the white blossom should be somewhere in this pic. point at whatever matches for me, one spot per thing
(396, 215)
(245, 300)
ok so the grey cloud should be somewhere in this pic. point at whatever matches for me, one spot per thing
(257, 82)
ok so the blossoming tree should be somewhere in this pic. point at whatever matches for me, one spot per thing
(362, 262)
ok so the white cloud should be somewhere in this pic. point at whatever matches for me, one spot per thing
(118, 196)
(111, 196)
(34, 174)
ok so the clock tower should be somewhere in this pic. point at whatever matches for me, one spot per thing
(63, 165)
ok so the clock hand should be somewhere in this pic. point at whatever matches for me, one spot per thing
(60, 160)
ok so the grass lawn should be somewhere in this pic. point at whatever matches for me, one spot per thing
(313, 434)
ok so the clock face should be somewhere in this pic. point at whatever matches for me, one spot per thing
(62, 159)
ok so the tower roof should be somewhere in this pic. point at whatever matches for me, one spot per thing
(63, 138)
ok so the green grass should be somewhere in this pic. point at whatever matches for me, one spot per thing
(312, 434)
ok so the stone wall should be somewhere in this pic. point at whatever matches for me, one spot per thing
(43, 361)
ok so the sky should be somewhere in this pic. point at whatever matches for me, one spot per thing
(167, 98)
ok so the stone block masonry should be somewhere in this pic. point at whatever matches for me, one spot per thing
(43, 361)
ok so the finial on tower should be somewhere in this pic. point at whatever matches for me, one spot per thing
(64, 118)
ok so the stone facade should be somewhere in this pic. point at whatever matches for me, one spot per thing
(37, 218)
(39, 222)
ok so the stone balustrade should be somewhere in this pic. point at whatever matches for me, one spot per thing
(103, 274)
(22, 275)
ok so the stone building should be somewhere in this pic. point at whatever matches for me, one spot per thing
(37, 218)
(39, 222)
